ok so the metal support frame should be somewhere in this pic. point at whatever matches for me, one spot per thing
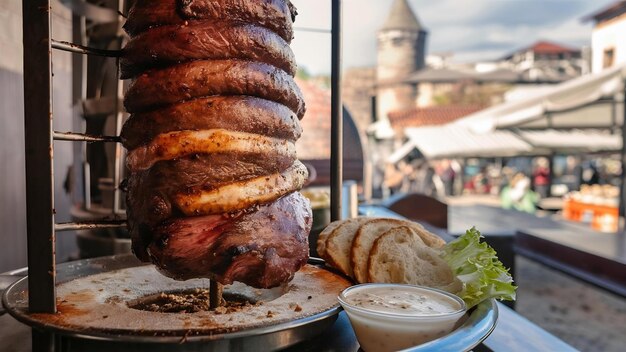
(39, 152)
(39, 155)
(336, 130)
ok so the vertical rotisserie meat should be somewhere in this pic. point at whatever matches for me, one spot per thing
(212, 189)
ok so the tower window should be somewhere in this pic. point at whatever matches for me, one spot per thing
(397, 41)
(608, 57)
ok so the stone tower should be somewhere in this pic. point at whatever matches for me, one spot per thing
(401, 51)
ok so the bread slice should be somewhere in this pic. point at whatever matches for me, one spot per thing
(339, 242)
(401, 256)
(321, 239)
(371, 230)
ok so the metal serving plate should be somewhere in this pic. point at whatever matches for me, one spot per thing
(321, 332)
(263, 338)
(478, 326)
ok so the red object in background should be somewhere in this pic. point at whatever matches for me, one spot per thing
(541, 176)
(603, 218)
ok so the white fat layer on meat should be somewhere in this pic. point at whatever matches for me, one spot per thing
(172, 145)
(244, 194)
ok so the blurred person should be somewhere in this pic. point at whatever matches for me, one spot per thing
(481, 182)
(447, 176)
(393, 178)
(541, 177)
(574, 168)
(422, 180)
(457, 185)
(590, 175)
(518, 195)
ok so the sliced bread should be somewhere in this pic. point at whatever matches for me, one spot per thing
(400, 256)
(339, 242)
(321, 239)
(370, 230)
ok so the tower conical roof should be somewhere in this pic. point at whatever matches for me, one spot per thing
(401, 16)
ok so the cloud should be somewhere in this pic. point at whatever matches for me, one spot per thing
(471, 29)
(526, 13)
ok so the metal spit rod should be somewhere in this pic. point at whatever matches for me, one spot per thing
(80, 49)
(89, 225)
(81, 137)
(336, 129)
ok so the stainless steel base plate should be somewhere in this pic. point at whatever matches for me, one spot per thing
(92, 297)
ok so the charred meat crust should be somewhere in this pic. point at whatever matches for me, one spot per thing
(237, 113)
(151, 192)
(205, 40)
(276, 15)
(263, 248)
(157, 88)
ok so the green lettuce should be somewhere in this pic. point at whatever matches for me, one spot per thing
(475, 263)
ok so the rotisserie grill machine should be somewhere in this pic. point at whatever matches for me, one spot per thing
(117, 303)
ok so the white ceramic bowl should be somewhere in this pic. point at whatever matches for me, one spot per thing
(390, 331)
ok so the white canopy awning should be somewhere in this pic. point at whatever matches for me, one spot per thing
(568, 95)
(449, 141)
(587, 141)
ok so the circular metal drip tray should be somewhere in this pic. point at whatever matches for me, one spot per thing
(191, 301)
(120, 299)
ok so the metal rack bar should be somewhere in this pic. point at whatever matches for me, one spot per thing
(39, 156)
(89, 225)
(119, 118)
(81, 137)
(336, 130)
(80, 49)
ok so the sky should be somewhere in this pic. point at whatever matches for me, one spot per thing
(472, 30)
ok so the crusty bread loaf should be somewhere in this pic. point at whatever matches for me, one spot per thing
(370, 230)
(400, 256)
(321, 239)
(339, 242)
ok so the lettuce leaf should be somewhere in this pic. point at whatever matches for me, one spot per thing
(475, 263)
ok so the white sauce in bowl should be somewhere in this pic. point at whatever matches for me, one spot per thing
(400, 301)
(392, 317)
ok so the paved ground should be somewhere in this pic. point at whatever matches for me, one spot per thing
(585, 317)
(581, 315)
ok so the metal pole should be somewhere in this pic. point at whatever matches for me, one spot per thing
(39, 156)
(80, 49)
(622, 195)
(81, 137)
(119, 117)
(550, 174)
(336, 130)
(88, 225)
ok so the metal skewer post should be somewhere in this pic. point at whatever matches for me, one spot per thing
(215, 294)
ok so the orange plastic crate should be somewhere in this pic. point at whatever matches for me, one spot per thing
(603, 218)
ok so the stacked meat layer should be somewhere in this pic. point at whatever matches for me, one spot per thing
(215, 112)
